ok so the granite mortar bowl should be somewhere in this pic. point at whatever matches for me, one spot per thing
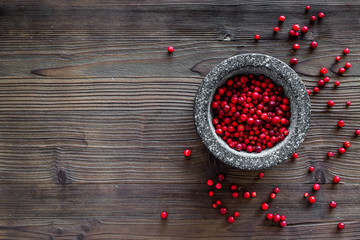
(282, 75)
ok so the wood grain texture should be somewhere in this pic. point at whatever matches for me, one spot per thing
(95, 116)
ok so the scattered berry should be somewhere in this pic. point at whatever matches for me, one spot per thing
(357, 132)
(348, 103)
(337, 83)
(295, 155)
(236, 214)
(211, 193)
(331, 103)
(308, 91)
(313, 18)
(264, 206)
(276, 190)
(235, 194)
(341, 70)
(336, 179)
(261, 175)
(281, 18)
(341, 225)
(170, 49)
(316, 187)
(321, 82)
(257, 37)
(313, 44)
(277, 218)
(316, 90)
(233, 187)
(311, 168)
(296, 27)
(341, 123)
(326, 79)
(293, 61)
(307, 8)
(218, 186)
(218, 202)
(321, 15)
(330, 154)
(164, 215)
(347, 144)
(291, 33)
(312, 199)
(296, 46)
(304, 29)
(342, 150)
(276, 29)
(253, 194)
(323, 70)
(338, 58)
(187, 153)
(210, 182)
(282, 217)
(223, 211)
(346, 51)
(230, 219)
(333, 204)
(221, 177)
(214, 205)
(347, 65)
(272, 195)
(246, 195)
(306, 194)
(269, 216)
(283, 223)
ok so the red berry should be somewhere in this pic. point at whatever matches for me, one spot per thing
(348, 103)
(307, 8)
(333, 204)
(341, 123)
(218, 186)
(223, 211)
(276, 29)
(326, 79)
(261, 175)
(187, 153)
(277, 218)
(293, 61)
(164, 215)
(304, 29)
(312, 199)
(211, 193)
(337, 58)
(296, 46)
(236, 214)
(264, 206)
(323, 70)
(283, 224)
(257, 37)
(331, 103)
(283, 218)
(341, 225)
(347, 65)
(218, 202)
(337, 83)
(291, 33)
(336, 179)
(295, 155)
(316, 90)
(253, 194)
(269, 216)
(321, 82)
(341, 70)
(313, 18)
(230, 219)
(311, 168)
(306, 194)
(330, 154)
(296, 27)
(347, 144)
(281, 18)
(272, 195)
(357, 132)
(170, 49)
(276, 190)
(210, 182)
(316, 187)
(342, 150)
(346, 51)
(313, 44)
(233, 187)
(221, 177)
(246, 195)
(214, 205)
(321, 15)
(235, 194)
(308, 91)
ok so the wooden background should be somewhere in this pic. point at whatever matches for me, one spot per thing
(95, 116)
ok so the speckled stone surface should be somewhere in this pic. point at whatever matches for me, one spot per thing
(281, 74)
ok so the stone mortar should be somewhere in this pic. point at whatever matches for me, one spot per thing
(281, 74)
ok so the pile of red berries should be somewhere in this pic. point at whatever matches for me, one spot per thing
(251, 113)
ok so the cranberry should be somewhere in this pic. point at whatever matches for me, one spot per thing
(357, 132)
(336, 179)
(306, 194)
(341, 123)
(308, 91)
(312, 199)
(307, 8)
(236, 214)
(342, 150)
(276, 29)
(214, 205)
(296, 46)
(321, 15)
(323, 70)
(333, 204)
(313, 18)
(233, 187)
(170, 49)
(337, 58)
(348, 103)
(337, 83)
(293, 61)
(257, 37)
(281, 18)
(269, 216)
(341, 70)
(283, 218)
(272, 195)
(341, 225)
(277, 218)
(316, 187)
(235, 194)
(187, 152)
(210, 182)
(347, 65)
(261, 175)
(304, 29)
(221, 177)
(313, 44)
(316, 90)
(321, 83)
(223, 211)
(218, 186)
(264, 206)
(311, 168)
(218, 202)
(231, 219)
(295, 155)
(326, 79)
(246, 195)
(296, 27)
(346, 51)
(330, 154)
(211, 193)
(164, 215)
(291, 33)
(276, 190)
(283, 223)
(331, 103)
(347, 144)
(253, 194)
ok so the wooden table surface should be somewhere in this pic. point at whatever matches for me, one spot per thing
(95, 116)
